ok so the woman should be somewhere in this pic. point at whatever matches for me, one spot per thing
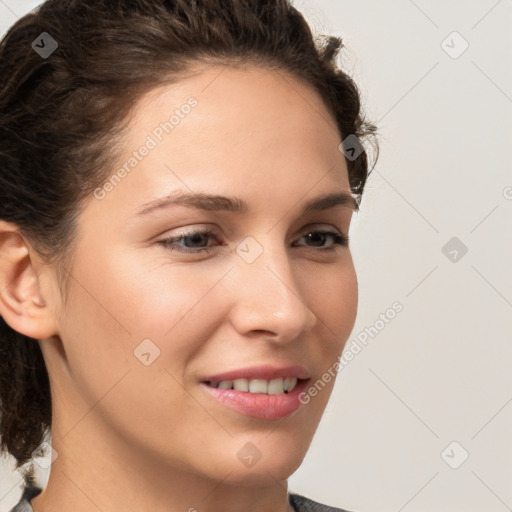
(177, 182)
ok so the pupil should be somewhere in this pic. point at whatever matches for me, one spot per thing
(196, 238)
(312, 236)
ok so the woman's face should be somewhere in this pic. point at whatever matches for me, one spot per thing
(147, 323)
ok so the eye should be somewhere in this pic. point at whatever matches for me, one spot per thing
(196, 237)
(319, 236)
(195, 240)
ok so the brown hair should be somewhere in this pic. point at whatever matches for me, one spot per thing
(61, 114)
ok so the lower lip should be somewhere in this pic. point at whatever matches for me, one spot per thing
(259, 405)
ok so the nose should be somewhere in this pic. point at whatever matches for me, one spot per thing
(268, 299)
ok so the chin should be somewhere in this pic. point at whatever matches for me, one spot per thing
(259, 475)
(278, 465)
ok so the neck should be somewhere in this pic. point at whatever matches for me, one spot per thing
(95, 471)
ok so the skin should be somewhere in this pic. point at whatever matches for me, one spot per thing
(148, 438)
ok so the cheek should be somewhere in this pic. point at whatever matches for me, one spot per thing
(155, 296)
(126, 309)
(106, 324)
(126, 302)
(333, 297)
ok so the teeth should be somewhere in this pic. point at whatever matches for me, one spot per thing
(289, 384)
(273, 387)
(258, 386)
(241, 385)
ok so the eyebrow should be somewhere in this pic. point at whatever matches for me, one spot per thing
(219, 203)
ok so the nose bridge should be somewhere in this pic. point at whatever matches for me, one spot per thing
(268, 297)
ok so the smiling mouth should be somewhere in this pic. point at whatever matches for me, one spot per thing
(258, 386)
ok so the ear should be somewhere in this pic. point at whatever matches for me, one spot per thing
(24, 306)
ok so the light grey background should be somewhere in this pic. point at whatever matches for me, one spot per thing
(439, 372)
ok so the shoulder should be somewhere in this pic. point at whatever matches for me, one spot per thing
(24, 505)
(303, 504)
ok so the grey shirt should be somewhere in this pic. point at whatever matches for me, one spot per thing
(297, 503)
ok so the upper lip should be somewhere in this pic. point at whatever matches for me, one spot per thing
(267, 372)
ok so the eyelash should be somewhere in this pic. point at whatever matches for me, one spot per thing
(340, 239)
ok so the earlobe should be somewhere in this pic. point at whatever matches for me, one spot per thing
(22, 304)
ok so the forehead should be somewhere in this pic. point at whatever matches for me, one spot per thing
(243, 102)
(251, 131)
